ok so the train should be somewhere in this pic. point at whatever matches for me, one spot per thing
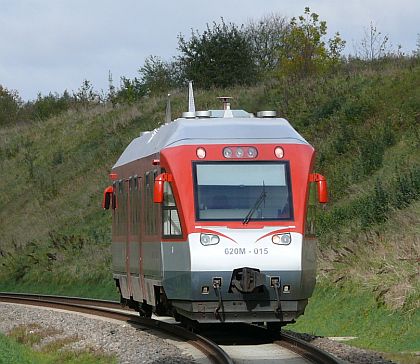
(213, 218)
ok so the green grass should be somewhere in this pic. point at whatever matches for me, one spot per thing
(349, 310)
(14, 352)
(102, 290)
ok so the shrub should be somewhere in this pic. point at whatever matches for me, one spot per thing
(374, 208)
(10, 104)
(304, 52)
(220, 57)
(406, 187)
(52, 104)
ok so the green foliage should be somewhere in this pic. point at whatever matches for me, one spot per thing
(10, 103)
(157, 77)
(65, 264)
(303, 50)
(50, 105)
(353, 311)
(221, 56)
(371, 154)
(406, 187)
(373, 207)
(86, 95)
(18, 349)
(13, 353)
(130, 91)
(266, 38)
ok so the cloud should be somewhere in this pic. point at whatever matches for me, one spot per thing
(52, 45)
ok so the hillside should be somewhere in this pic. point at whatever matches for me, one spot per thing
(364, 123)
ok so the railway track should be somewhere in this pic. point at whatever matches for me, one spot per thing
(219, 346)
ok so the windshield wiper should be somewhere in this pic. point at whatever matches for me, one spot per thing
(260, 200)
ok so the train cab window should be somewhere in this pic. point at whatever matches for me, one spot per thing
(170, 216)
(245, 191)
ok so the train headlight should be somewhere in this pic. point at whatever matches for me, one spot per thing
(282, 239)
(239, 152)
(242, 152)
(201, 153)
(252, 152)
(209, 239)
(227, 153)
(279, 152)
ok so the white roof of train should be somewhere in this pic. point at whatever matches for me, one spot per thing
(219, 130)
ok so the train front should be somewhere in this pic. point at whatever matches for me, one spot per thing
(241, 253)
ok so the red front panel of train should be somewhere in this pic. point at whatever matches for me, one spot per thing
(221, 172)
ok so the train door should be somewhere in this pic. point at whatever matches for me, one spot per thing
(134, 237)
(120, 248)
(152, 264)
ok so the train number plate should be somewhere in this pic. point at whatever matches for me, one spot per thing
(245, 251)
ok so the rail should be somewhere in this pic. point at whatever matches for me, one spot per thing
(306, 350)
(113, 309)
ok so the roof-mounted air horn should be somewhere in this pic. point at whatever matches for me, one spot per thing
(226, 106)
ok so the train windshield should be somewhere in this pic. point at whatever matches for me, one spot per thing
(243, 191)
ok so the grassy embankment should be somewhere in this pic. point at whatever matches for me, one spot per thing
(364, 123)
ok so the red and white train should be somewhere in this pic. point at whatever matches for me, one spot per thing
(212, 219)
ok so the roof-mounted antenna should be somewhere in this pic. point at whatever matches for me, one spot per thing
(168, 114)
(191, 102)
(226, 106)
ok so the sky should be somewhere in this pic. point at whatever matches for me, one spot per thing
(54, 45)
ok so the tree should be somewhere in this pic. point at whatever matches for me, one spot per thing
(157, 76)
(222, 56)
(46, 106)
(304, 51)
(85, 95)
(266, 38)
(130, 91)
(416, 53)
(10, 104)
(374, 44)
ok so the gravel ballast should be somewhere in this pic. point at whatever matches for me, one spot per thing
(131, 345)
(347, 353)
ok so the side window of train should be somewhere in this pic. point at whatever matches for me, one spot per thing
(310, 225)
(147, 202)
(130, 205)
(150, 212)
(135, 205)
(155, 207)
(120, 208)
(170, 216)
(123, 210)
(114, 202)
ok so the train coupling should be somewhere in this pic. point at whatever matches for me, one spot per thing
(246, 280)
